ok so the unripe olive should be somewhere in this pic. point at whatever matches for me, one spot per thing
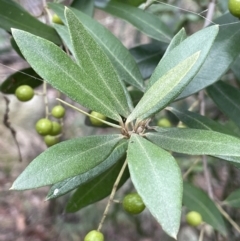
(58, 111)
(194, 218)
(164, 122)
(24, 93)
(43, 126)
(94, 235)
(234, 7)
(56, 128)
(133, 203)
(94, 121)
(51, 140)
(56, 19)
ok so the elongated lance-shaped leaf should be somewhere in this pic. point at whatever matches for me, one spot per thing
(233, 200)
(195, 142)
(197, 121)
(226, 43)
(97, 189)
(235, 68)
(54, 66)
(71, 183)
(227, 98)
(62, 30)
(147, 23)
(122, 61)
(176, 40)
(200, 41)
(197, 200)
(157, 178)
(86, 6)
(12, 15)
(96, 64)
(66, 159)
(164, 90)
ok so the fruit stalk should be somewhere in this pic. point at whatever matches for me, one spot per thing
(110, 200)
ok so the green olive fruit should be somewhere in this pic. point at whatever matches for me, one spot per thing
(194, 218)
(50, 140)
(56, 128)
(94, 235)
(24, 93)
(56, 19)
(234, 7)
(44, 126)
(58, 111)
(97, 122)
(133, 203)
(164, 122)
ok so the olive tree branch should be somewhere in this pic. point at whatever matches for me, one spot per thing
(110, 200)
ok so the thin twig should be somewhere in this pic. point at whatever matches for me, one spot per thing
(7, 123)
(112, 195)
(201, 236)
(45, 99)
(190, 168)
(225, 214)
(210, 13)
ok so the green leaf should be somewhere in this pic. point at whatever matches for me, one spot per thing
(233, 200)
(64, 34)
(96, 64)
(197, 200)
(71, 183)
(195, 142)
(235, 68)
(120, 57)
(176, 40)
(148, 56)
(200, 41)
(227, 98)
(172, 83)
(196, 121)
(58, 69)
(223, 53)
(157, 178)
(66, 159)
(97, 189)
(86, 6)
(23, 77)
(13, 15)
(147, 23)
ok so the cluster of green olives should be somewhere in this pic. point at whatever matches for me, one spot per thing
(45, 127)
(51, 129)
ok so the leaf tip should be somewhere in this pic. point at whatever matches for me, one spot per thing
(12, 188)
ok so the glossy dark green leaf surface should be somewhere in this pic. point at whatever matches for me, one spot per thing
(147, 57)
(97, 65)
(227, 98)
(25, 77)
(66, 159)
(197, 200)
(97, 189)
(195, 142)
(69, 184)
(233, 200)
(173, 82)
(235, 68)
(120, 57)
(197, 121)
(157, 178)
(86, 6)
(147, 23)
(58, 69)
(13, 15)
(223, 53)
